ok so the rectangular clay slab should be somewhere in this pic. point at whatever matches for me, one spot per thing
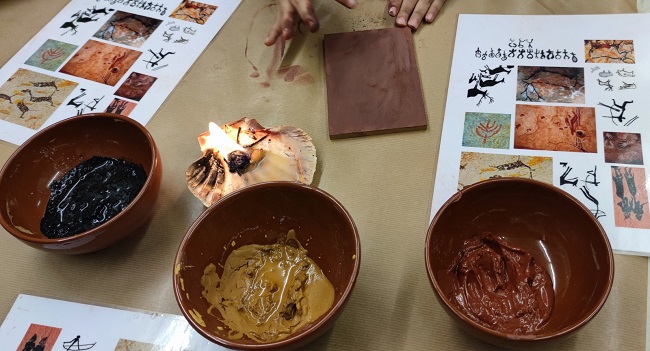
(373, 83)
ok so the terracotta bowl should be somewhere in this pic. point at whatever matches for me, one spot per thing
(562, 235)
(261, 214)
(53, 151)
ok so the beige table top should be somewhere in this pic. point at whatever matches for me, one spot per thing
(392, 306)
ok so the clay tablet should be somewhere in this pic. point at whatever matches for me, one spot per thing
(373, 84)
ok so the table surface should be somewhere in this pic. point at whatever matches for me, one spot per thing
(393, 306)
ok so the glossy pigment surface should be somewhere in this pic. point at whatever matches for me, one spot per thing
(90, 194)
(501, 286)
(267, 292)
(561, 234)
(262, 214)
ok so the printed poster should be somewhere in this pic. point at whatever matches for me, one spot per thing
(42, 324)
(560, 99)
(119, 56)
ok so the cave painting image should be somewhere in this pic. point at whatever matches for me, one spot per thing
(551, 84)
(121, 107)
(555, 128)
(128, 29)
(135, 86)
(623, 148)
(193, 11)
(484, 79)
(51, 55)
(29, 98)
(609, 51)
(101, 62)
(630, 197)
(487, 130)
(131, 345)
(475, 167)
(39, 338)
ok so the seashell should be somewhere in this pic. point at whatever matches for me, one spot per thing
(282, 153)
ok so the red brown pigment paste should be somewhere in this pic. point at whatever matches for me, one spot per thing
(501, 286)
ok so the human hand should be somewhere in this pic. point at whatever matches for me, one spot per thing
(290, 12)
(411, 12)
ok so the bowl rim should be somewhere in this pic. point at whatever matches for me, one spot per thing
(526, 338)
(312, 328)
(154, 154)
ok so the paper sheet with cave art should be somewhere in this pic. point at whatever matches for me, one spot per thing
(37, 323)
(561, 99)
(120, 56)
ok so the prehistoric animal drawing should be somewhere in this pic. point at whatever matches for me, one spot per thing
(624, 73)
(626, 86)
(23, 108)
(605, 74)
(70, 26)
(89, 15)
(475, 91)
(492, 71)
(7, 97)
(45, 84)
(485, 78)
(606, 84)
(513, 165)
(44, 98)
(103, 11)
(85, 17)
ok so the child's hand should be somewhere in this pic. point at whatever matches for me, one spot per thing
(411, 12)
(292, 11)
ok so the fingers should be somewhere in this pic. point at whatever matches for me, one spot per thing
(288, 14)
(283, 26)
(405, 12)
(348, 3)
(413, 12)
(306, 13)
(434, 9)
(394, 6)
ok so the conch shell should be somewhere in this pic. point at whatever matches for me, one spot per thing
(282, 153)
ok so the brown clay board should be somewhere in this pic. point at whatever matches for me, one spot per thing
(373, 83)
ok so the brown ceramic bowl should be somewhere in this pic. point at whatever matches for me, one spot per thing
(261, 214)
(53, 151)
(562, 235)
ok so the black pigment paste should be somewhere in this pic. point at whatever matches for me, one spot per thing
(90, 194)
